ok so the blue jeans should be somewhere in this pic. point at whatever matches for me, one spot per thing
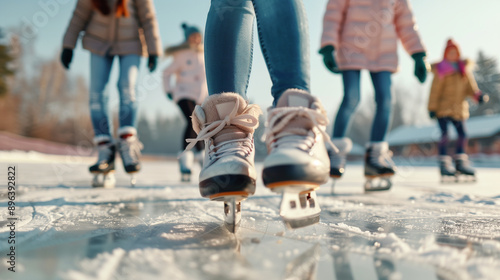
(284, 40)
(382, 84)
(461, 140)
(100, 68)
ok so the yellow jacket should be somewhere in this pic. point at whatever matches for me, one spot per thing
(450, 88)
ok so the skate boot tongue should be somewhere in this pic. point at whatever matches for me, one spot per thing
(228, 107)
(299, 125)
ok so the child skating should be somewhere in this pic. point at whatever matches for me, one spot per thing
(453, 83)
(364, 35)
(188, 67)
(297, 162)
(127, 21)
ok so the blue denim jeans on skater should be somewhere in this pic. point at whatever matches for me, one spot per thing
(229, 42)
(100, 68)
(382, 84)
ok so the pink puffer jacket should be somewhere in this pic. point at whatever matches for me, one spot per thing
(188, 67)
(365, 32)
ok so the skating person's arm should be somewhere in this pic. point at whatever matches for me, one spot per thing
(406, 29)
(332, 25)
(436, 91)
(78, 23)
(171, 70)
(149, 24)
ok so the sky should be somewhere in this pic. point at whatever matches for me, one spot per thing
(473, 24)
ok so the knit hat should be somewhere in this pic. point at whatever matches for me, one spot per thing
(188, 30)
(449, 45)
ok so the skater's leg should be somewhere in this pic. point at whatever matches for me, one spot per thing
(100, 68)
(127, 87)
(351, 80)
(443, 143)
(382, 84)
(228, 46)
(284, 40)
(187, 107)
(462, 136)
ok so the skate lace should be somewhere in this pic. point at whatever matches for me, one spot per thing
(242, 146)
(295, 137)
(130, 151)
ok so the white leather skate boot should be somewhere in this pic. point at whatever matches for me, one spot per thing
(226, 122)
(297, 161)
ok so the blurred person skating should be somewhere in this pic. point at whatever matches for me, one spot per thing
(360, 36)
(453, 83)
(127, 30)
(188, 67)
(297, 161)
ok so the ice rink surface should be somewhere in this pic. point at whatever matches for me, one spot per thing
(163, 229)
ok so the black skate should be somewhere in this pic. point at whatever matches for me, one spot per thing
(103, 170)
(130, 151)
(462, 165)
(338, 159)
(446, 169)
(379, 167)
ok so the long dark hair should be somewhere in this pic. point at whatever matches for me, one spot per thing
(103, 7)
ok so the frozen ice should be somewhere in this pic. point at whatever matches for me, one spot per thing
(163, 229)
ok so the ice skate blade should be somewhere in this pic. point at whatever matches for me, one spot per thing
(375, 184)
(293, 187)
(232, 213)
(104, 180)
(299, 209)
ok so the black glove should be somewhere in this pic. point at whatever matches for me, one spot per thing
(483, 98)
(66, 57)
(420, 66)
(152, 62)
(170, 96)
(432, 114)
(328, 53)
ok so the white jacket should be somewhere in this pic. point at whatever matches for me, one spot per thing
(188, 68)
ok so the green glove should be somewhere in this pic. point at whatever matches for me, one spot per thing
(66, 57)
(432, 114)
(328, 53)
(420, 66)
(170, 96)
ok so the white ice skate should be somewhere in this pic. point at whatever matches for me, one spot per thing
(297, 163)
(186, 164)
(130, 152)
(338, 160)
(103, 170)
(226, 122)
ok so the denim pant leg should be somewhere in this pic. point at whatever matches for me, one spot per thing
(351, 80)
(100, 68)
(462, 136)
(229, 46)
(127, 87)
(284, 40)
(382, 84)
(443, 142)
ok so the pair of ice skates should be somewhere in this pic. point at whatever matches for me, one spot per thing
(296, 165)
(379, 168)
(129, 149)
(462, 168)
